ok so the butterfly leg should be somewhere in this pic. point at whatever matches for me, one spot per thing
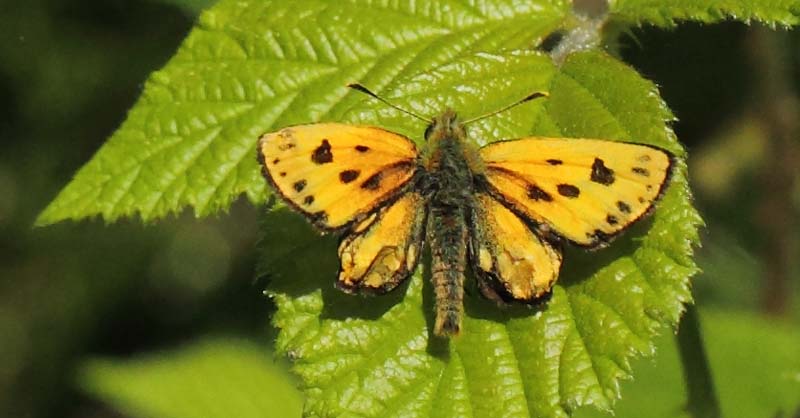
(447, 234)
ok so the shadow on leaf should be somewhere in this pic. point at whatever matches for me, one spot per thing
(296, 260)
(437, 346)
(579, 265)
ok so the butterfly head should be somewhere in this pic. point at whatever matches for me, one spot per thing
(445, 126)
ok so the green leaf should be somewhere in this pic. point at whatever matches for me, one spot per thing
(211, 378)
(666, 13)
(375, 356)
(254, 66)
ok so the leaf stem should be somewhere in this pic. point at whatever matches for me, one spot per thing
(702, 396)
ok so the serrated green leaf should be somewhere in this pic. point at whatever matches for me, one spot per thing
(213, 378)
(253, 66)
(667, 13)
(374, 357)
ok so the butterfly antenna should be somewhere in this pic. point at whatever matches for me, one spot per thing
(359, 87)
(527, 98)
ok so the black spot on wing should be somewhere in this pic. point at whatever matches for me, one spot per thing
(536, 193)
(322, 154)
(308, 200)
(568, 190)
(601, 174)
(612, 220)
(554, 161)
(362, 148)
(283, 174)
(299, 185)
(641, 199)
(641, 171)
(373, 182)
(276, 161)
(348, 176)
(623, 207)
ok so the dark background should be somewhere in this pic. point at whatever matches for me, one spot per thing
(70, 70)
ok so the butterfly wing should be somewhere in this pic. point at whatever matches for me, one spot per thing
(510, 261)
(584, 190)
(381, 251)
(336, 174)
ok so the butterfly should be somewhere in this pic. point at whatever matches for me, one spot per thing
(505, 208)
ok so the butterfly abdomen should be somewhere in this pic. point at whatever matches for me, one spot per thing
(447, 234)
(450, 180)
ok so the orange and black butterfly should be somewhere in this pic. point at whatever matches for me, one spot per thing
(506, 207)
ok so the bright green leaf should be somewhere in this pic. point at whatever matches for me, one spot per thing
(666, 13)
(254, 66)
(375, 357)
(214, 378)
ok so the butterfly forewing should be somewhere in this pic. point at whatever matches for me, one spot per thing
(581, 189)
(336, 174)
(383, 250)
(510, 261)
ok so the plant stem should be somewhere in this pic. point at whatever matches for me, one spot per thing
(702, 396)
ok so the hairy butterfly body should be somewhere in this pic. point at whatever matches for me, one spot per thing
(504, 209)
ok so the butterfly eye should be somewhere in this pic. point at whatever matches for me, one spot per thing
(428, 132)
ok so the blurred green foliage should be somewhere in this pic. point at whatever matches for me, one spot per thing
(228, 377)
(70, 70)
(68, 73)
(755, 367)
(211, 378)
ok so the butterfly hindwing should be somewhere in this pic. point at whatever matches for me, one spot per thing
(510, 261)
(381, 251)
(336, 174)
(584, 190)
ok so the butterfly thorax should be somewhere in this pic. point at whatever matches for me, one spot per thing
(447, 163)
